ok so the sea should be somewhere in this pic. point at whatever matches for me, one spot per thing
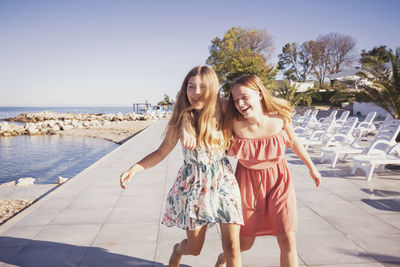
(45, 158)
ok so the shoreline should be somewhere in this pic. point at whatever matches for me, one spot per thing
(118, 133)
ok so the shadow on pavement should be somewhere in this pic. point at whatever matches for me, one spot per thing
(382, 258)
(27, 252)
(384, 204)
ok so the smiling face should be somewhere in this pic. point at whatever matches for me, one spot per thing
(247, 101)
(196, 90)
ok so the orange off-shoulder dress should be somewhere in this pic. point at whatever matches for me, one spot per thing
(268, 196)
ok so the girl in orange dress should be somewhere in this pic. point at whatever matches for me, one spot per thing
(262, 129)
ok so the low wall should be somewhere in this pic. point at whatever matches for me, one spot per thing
(363, 108)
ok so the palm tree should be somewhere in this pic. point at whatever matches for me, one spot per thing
(385, 78)
(289, 92)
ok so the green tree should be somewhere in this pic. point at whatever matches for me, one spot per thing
(242, 52)
(290, 93)
(385, 78)
(295, 61)
(165, 101)
(378, 54)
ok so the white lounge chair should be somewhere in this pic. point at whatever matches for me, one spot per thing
(366, 126)
(304, 129)
(343, 136)
(368, 162)
(329, 118)
(386, 137)
(298, 119)
(319, 137)
(342, 119)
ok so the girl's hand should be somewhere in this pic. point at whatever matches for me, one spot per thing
(316, 176)
(125, 178)
(188, 140)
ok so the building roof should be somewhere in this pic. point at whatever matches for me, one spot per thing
(345, 74)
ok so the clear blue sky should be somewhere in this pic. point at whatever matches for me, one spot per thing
(115, 53)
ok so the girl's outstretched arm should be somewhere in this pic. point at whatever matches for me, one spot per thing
(150, 160)
(301, 152)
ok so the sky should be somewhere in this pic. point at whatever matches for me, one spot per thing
(120, 52)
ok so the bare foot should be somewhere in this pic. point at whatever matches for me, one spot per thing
(175, 258)
(221, 261)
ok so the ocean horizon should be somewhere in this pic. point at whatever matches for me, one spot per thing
(8, 112)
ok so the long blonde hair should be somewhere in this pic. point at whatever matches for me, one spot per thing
(205, 124)
(270, 103)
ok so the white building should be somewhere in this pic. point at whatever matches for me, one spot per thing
(350, 77)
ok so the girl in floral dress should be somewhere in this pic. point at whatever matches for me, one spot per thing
(261, 131)
(205, 191)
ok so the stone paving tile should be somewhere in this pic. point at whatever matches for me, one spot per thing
(145, 200)
(44, 255)
(40, 217)
(393, 219)
(333, 249)
(82, 216)
(6, 253)
(127, 233)
(264, 253)
(19, 235)
(385, 248)
(119, 254)
(83, 202)
(79, 235)
(60, 204)
(140, 214)
(344, 215)
(310, 223)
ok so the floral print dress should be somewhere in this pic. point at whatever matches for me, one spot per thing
(205, 192)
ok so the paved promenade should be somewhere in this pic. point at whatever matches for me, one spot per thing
(91, 221)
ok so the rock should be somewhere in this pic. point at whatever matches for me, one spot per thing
(75, 123)
(4, 126)
(26, 181)
(12, 183)
(62, 180)
(55, 128)
(60, 124)
(68, 127)
(33, 131)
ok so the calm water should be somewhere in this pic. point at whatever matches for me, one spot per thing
(47, 157)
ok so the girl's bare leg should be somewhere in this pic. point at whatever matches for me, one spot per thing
(192, 245)
(287, 244)
(245, 244)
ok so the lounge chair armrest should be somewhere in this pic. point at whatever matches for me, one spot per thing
(394, 149)
(378, 142)
(317, 132)
(364, 124)
(333, 137)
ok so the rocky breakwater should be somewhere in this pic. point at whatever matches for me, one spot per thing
(47, 122)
